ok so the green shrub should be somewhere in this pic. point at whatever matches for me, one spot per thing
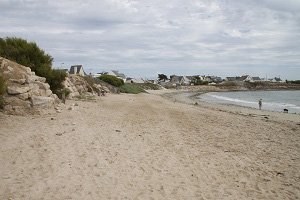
(147, 86)
(131, 88)
(55, 79)
(252, 85)
(112, 80)
(229, 84)
(201, 83)
(30, 55)
(63, 91)
(294, 82)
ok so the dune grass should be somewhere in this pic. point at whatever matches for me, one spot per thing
(131, 88)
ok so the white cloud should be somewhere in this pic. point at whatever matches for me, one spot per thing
(211, 36)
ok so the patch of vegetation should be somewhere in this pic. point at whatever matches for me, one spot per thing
(197, 81)
(63, 91)
(162, 77)
(131, 88)
(257, 85)
(293, 82)
(229, 84)
(147, 86)
(30, 55)
(112, 80)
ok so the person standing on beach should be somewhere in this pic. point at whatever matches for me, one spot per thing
(260, 104)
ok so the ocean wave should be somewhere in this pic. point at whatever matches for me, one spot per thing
(231, 99)
(265, 104)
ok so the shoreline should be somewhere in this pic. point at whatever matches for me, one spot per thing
(189, 97)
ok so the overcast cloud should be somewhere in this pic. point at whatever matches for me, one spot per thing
(146, 37)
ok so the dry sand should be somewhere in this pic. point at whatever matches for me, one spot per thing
(147, 147)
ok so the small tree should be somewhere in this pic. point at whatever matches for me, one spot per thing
(112, 80)
(162, 77)
(30, 55)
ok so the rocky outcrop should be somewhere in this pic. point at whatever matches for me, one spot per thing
(25, 91)
(77, 85)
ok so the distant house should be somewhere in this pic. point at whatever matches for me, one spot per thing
(256, 79)
(230, 79)
(276, 80)
(186, 80)
(215, 79)
(134, 80)
(244, 78)
(99, 74)
(152, 81)
(77, 69)
(118, 75)
(180, 80)
(207, 79)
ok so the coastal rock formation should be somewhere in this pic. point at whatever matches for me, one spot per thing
(78, 85)
(25, 91)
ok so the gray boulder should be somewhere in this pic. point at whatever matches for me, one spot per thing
(17, 89)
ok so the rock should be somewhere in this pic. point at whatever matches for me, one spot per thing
(10, 69)
(45, 93)
(14, 101)
(42, 86)
(26, 69)
(19, 81)
(14, 89)
(48, 93)
(23, 96)
(40, 101)
(70, 108)
(34, 78)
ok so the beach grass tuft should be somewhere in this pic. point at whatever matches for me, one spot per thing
(131, 88)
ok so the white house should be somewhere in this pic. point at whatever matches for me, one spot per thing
(180, 80)
(77, 69)
(134, 80)
(117, 74)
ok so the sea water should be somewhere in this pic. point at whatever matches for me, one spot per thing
(271, 100)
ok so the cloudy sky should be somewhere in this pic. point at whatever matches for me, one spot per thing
(144, 37)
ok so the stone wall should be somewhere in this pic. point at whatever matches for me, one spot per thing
(25, 91)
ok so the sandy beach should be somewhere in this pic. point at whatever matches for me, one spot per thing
(150, 147)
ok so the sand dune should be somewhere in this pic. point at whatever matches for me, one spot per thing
(148, 147)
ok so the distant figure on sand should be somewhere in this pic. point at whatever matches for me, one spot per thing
(260, 104)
